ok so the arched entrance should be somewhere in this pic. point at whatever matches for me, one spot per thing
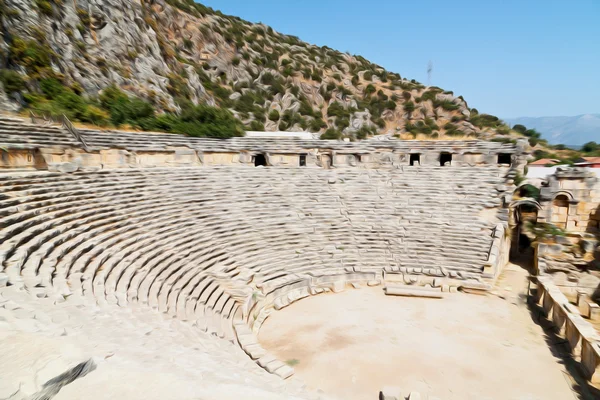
(524, 214)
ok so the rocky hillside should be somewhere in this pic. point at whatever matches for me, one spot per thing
(174, 54)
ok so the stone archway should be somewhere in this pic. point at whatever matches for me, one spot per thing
(522, 211)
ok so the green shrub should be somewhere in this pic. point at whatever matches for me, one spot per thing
(12, 81)
(45, 7)
(188, 44)
(317, 124)
(274, 115)
(257, 126)
(409, 106)
(504, 140)
(520, 128)
(342, 123)
(449, 106)
(544, 229)
(484, 120)
(530, 191)
(364, 131)
(32, 55)
(503, 130)
(207, 121)
(590, 147)
(331, 134)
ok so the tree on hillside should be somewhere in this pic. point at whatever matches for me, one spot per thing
(590, 147)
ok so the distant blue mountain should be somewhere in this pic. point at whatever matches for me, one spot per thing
(576, 130)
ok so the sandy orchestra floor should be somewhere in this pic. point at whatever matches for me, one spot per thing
(463, 347)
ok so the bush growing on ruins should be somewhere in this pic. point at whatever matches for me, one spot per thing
(409, 106)
(544, 229)
(530, 191)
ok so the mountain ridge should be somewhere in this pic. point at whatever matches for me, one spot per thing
(569, 130)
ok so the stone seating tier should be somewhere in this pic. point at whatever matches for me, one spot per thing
(221, 244)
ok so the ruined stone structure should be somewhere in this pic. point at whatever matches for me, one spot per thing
(55, 149)
(570, 199)
(567, 259)
(191, 228)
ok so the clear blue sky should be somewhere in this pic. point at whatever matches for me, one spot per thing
(509, 58)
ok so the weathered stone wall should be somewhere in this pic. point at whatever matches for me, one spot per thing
(580, 335)
(21, 158)
(571, 200)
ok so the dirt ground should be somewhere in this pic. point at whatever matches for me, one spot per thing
(352, 344)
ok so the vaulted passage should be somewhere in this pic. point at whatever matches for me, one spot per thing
(260, 160)
(445, 158)
(504, 158)
(302, 160)
(415, 159)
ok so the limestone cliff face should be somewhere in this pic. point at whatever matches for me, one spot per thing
(175, 50)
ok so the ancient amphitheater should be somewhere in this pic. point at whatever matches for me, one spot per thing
(143, 266)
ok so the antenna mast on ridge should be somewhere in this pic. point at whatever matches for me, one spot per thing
(429, 72)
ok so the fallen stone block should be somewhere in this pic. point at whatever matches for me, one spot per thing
(475, 287)
(413, 291)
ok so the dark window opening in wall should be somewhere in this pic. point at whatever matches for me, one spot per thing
(415, 159)
(357, 157)
(303, 160)
(260, 160)
(445, 158)
(504, 158)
